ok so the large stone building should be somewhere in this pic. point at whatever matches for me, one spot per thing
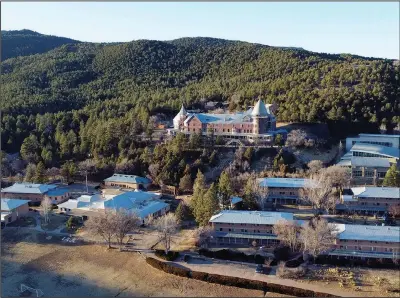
(369, 200)
(35, 193)
(256, 125)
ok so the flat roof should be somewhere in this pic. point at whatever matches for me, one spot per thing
(245, 236)
(368, 233)
(376, 149)
(379, 135)
(128, 179)
(376, 192)
(57, 191)
(250, 217)
(10, 204)
(286, 182)
(29, 188)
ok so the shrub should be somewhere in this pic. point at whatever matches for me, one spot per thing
(234, 281)
(282, 253)
(292, 273)
(171, 256)
(168, 268)
(296, 262)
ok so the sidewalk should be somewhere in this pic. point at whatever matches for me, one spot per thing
(247, 270)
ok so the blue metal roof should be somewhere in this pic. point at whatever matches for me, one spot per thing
(376, 149)
(29, 188)
(10, 204)
(368, 233)
(376, 192)
(128, 179)
(57, 192)
(250, 217)
(286, 182)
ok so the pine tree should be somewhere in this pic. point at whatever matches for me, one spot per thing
(185, 183)
(199, 189)
(30, 173)
(224, 190)
(392, 177)
(180, 212)
(210, 205)
(40, 173)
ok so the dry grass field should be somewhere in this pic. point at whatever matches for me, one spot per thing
(63, 269)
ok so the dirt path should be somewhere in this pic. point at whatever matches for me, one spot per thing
(246, 270)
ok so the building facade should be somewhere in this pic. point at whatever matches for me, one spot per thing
(368, 200)
(366, 241)
(283, 191)
(12, 209)
(127, 181)
(368, 163)
(256, 125)
(241, 228)
(375, 139)
(35, 193)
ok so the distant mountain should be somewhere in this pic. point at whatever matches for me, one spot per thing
(110, 81)
(27, 42)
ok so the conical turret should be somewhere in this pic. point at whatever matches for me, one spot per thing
(259, 109)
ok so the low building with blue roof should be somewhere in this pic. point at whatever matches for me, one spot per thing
(127, 181)
(363, 241)
(243, 227)
(285, 190)
(369, 200)
(12, 209)
(35, 192)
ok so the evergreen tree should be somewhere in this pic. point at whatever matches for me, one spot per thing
(180, 212)
(30, 173)
(248, 154)
(210, 205)
(199, 189)
(225, 190)
(40, 173)
(185, 183)
(392, 177)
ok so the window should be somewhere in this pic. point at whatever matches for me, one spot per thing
(357, 173)
(230, 230)
(242, 230)
(221, 229)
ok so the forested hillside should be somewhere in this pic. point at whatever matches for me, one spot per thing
(94, 98)
(16, 43)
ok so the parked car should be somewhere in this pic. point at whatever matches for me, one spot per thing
(259, 268)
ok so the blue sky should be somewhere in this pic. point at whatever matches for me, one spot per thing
(367, 29)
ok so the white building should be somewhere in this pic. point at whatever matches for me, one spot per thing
(143, 204)
(376, 139)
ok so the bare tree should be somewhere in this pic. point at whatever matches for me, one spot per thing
(394, 210)
(166, 226)
(46, 209)
(288, 233)
(103, 225)
(338, 176)
(318, 192)
(256, 190)
(317, 236)
(315, 166)
(296, 138)
(202, 235)
(125, 223)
